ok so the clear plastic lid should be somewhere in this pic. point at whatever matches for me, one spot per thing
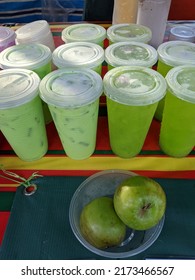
(70, 88)
(181, 82)
(130, 53)
(129, 32)
(17, 87)
(30, 56)
(32, 31)
(84, 32)
(176, 53)
(182, 33)
(134, 85)
(78, 54)
(6, 35)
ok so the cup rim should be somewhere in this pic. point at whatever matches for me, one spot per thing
(175, 60)
(67, 36)
(115, 61)
(182, 32)
(19, 96)
(176, 88)
(7, 34)
(40, 28)
(144, 38)
(130, 96)
(42, 52)
(61, 59)
(52, 95)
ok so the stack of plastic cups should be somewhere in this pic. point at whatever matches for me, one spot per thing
(130, 53)
(35, 57)
(84, 32)
(170, 55)
(128, 32)
(21, 114)
(79, 55)
(35, 32)
(7, 38)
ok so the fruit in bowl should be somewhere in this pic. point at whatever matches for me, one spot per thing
(104, 184)
(100, 224)
(140, 202)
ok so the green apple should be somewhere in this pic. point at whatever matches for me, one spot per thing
(140, 202)
(100, 225)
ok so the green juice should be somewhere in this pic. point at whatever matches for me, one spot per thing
(77, 129)
(163, 69)
(24, 129)
(172, 54)
(132, 96)
(35, 57)
(175, 139)
(42, 72)
(177, 134)
(98, 69)
(21, 113)
(73, 99)
(128, 127)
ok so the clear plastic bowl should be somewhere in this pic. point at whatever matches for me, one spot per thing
(100, 184)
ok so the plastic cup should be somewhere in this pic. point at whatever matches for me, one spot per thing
(58, 10)
(21, 114)
(35, 32)
(130, 53)
(154, 14)
(35, 57)
(182, 33)
(132, 94)
(125, 12)
(73, 99)
(84, 32)
(79, 55)
(7, 38)
(177, 134)
(128, 32)
(172, 54)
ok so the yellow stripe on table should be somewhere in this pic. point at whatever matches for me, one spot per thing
(150, 163)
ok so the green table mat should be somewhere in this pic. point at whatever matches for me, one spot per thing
(39, 228)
